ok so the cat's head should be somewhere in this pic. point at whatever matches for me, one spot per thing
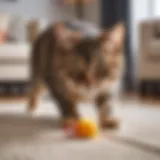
(105, 50)
(103, 56)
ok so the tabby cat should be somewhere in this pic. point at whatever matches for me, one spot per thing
(75, 67)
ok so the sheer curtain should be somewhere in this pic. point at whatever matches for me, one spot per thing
(155, 8)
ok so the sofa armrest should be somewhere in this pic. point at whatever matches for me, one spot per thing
(145, 36)
(15, 51)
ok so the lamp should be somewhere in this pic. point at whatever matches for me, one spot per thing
(79, 6)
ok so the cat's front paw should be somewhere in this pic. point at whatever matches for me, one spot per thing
(110, 123)
(31, 106)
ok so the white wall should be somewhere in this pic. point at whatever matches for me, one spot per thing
(45, 9)
(49, 9)
(156, 8)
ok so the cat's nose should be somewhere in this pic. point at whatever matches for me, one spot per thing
(88, 81)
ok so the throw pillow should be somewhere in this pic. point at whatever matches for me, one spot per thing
(4, 23)
(3, 37)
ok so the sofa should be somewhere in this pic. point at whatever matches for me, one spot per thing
(149, 57)
(16, 36)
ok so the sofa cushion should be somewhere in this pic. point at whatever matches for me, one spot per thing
(3, 37)
(14, 62)
(12, 72)
(14, 51)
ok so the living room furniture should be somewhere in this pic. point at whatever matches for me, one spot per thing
(15, 53)
(148, 75)
(14, 68)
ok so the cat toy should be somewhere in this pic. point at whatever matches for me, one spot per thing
(82, 128)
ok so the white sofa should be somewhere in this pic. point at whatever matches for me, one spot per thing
(14, 69)
(149, 57)
(14, 62)
(15, 50)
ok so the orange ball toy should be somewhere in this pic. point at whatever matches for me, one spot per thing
(86, 129)
(82, 128)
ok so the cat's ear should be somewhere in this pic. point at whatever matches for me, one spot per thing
(104, 36)
(117, 35)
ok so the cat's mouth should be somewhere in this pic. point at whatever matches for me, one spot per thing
(84, 80)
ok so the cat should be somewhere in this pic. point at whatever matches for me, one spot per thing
(77, 67)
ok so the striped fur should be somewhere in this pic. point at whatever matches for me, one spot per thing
(75, 67)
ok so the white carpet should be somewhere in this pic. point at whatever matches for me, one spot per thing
(39, 137)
